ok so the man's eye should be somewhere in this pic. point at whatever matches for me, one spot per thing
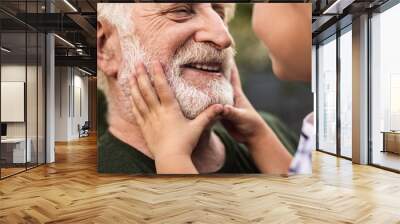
(182, 12)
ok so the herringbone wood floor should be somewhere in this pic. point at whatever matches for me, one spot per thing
(71, 191)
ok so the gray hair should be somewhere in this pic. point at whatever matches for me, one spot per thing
(117, 14)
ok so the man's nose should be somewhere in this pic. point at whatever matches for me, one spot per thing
(213, 30)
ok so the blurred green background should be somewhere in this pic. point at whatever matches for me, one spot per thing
(251, 52)
(290, 101)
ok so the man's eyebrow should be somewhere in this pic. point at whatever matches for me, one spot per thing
(167, 6)
(161, 8)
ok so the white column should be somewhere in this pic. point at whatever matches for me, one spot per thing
(314, 89)
(50, 93)
(360, 90)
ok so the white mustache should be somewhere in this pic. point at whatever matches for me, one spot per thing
(195, 52)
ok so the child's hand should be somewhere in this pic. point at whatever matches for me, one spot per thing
(247, 126)
(241, 120)
(169, 136)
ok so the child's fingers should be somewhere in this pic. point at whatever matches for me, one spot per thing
(138, 99)
(136, 113)
(161, 85)
(145, 87)
(231, 113)
(135, 110)
(208, 115)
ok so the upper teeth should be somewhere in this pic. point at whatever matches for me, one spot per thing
(205, 67)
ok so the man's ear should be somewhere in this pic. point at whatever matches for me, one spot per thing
(109, 55)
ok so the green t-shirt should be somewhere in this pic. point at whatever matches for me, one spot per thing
(114, 156)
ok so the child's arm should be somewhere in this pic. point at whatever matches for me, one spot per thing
(169, 136)
(247, 126)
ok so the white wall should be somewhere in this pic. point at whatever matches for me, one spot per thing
(16, 73)
(62, 81)
(71, 93)
(33, 127)
(80, 102)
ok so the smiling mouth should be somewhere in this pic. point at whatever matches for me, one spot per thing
(205, 67)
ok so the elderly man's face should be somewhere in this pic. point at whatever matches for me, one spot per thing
(194, 45)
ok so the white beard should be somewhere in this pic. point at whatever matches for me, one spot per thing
(192, 100)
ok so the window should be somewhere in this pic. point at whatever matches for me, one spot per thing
(346, 92)
(22, 78)
(327, 95)
(385, 89)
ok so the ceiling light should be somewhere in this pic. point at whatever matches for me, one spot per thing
(5, 50)
(64, 40)
(337, 7)
(70, 5)
(84, 71)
